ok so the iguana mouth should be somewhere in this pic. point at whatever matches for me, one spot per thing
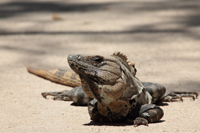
(77, 63)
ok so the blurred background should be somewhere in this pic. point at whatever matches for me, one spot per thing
(161, 36)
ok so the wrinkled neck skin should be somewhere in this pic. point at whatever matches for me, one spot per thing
(108, 81)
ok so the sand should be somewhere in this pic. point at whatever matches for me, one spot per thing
(160, 36)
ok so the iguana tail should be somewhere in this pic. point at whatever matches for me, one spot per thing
(57, 75)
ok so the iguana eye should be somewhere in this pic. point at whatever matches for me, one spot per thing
(98, 59)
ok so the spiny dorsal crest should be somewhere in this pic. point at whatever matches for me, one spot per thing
(122, 58)
(120, 55)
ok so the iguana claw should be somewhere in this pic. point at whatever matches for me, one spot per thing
(172, 96)
(44, 95)
(140, 121)
(56, 95)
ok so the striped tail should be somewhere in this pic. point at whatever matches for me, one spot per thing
(57, 75)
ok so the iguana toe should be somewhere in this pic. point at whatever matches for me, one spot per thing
(44, 95)
(173, 96)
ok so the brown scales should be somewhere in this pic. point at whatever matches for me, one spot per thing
(57, 76)
(150, 90)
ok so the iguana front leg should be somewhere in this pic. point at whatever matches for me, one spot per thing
(152, 114)
(142, 115)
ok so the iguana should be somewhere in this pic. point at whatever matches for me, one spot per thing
(118, 95)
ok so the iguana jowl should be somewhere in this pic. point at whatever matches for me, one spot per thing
(111, 81)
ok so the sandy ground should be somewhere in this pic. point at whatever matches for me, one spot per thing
(161, 36)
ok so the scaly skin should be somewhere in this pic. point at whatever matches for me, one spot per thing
(112, 82)
(72, 79)
(103, 79)
(57, 75)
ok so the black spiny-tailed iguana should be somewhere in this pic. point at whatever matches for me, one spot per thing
(118, 95)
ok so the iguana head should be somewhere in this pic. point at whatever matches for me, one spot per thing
(96, 68)
(100, 69)
(107, 79)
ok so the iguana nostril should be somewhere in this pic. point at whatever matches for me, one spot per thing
(72, 57)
